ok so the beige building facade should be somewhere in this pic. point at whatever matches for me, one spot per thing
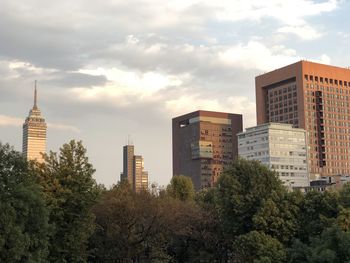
(34, 134)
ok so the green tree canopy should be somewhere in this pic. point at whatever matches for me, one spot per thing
(129, 227)
(345, 196)
(70, 192)
(332, 246)
(318, 211)
(242, 191)
(257, 247)
(181, 187)
(24, 228)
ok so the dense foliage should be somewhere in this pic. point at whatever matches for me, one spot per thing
(24, 228)
(55, 212)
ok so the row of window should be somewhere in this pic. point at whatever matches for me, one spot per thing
(319, 79)
(285, 119)
(287, 167)
(287, 103)
(332, 116)
(335, 102)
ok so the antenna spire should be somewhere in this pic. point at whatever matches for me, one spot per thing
(35, 96)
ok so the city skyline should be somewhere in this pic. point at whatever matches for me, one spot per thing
(105, 71)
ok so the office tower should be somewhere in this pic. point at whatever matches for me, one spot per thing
(204, 144)
(140, 180)
(34, 133)
(133, 169)
(128, 164)
(314, 97)
(281, 148)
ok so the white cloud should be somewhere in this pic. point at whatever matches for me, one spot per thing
(232, 104)
(9, 121)
(255, 55)
(140, 83)
(324, 59)
(126, 87)
(63, 127)
(288, 12)
(16, 65)
(304, 32)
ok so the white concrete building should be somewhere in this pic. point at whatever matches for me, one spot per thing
(279, 146)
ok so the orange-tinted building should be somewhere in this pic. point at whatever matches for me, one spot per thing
(315, 97)
(204, 144)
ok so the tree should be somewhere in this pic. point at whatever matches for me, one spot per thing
(24, 228)
(241, 192)
(344, 197)
(279, 217)
(343, 219)
(258, 247)
(146, 227)
(332, 246)
(181, 187)
(130, 227)
(318, 211)
(70, 192)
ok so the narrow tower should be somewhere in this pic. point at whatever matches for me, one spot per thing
(133, 169)
(34, 133)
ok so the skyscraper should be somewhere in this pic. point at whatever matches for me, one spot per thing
(204, 144)
(314, 97)
(140, 180)
(128, 164)
(34, 133)
(133, 169)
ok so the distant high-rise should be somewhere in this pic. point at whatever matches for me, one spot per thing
(204, 144)
(314, 97)
(140, 180)
(34, 133)
(128, 163)
(133, 169)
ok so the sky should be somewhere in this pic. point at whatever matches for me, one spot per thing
(115, 71)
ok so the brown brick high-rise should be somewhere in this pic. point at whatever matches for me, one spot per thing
(314, 97)
(204, 144)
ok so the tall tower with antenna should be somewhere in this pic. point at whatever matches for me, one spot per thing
(34, 133)
(133, 168)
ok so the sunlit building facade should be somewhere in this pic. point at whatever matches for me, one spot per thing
(34, 134)
(280, 147)
(140, 180)
(314, 97)
(204, 145)
(128, 164)
(133, 169)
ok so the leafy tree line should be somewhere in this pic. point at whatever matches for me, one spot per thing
(55, 212)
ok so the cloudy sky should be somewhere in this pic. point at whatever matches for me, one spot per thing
(111, 69)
